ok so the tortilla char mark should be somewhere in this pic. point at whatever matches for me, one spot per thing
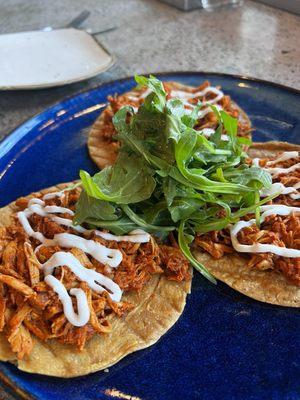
(102, 145)
(34, 306)
(266, 249)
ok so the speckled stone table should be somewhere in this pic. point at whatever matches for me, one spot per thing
(252, 40)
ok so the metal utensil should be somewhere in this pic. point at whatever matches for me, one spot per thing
(74, 23)
(105, 30)
(78, 21)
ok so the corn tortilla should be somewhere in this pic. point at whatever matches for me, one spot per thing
(266, 286)
(104, 152)
(157, 307)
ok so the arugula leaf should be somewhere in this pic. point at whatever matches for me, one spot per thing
(157, 214)
(184, 208)
(142, 223)
(129, 141)
(170, 189)
(183, 153)
(184, 242)
(120, 226)
(128, 181)
(88, 207)
(216, 136)
(244, 141)
(147, 133)
(190, 120)
(175, 108)
(174, 125)
(157, 99)
(244, 175)
(120, 119)
(230, 123)
(169, 176)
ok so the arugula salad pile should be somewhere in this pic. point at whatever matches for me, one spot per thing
(170, 177)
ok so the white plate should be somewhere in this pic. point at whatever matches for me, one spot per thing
(33, 60)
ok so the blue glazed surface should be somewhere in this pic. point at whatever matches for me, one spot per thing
(225, 346)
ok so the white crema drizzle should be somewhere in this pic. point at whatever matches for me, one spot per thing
(185, 96)
(286, 155)
(188, 95)
(260, 247)
(52, 195)
(136, 236)
(94, 279)
(207, 132)
(275, 171)
(279, 187)
(140, 96)
(83, 316)
(111, 257)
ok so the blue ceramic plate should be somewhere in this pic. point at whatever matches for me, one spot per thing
(225, 345)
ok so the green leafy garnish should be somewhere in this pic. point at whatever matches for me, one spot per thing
(88, 207)
(170, 177)
(184, 241)
(130, 180)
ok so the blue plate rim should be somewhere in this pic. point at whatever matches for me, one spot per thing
(14, 134)
(16, 391)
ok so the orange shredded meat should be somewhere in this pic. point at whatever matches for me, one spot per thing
(209, 121)
(282, 231)
(28, 306)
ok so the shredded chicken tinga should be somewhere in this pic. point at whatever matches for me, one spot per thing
(31, 309)
(270, 275)
(99, 269)
(102, 142)
(218, 199)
